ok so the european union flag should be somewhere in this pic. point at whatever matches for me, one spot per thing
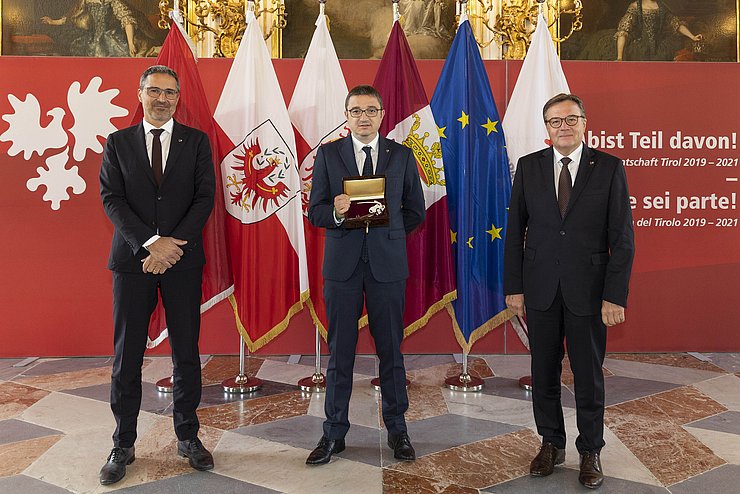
(478, 187)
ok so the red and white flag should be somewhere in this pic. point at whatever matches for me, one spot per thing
(262, 195)
(540, 79)
(317, 112)
(193, 111)
(409, 121)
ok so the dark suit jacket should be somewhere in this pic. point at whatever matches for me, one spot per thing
(404, 200)
(588, 253)
(139, 209)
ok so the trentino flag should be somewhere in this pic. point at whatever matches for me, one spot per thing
(409, 120)
(262, 195)
(317, 112)
(540, 79)
(478, 187)
(192, 110)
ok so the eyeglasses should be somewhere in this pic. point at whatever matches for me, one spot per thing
(571, 120)
(156, 92)
(370, 112)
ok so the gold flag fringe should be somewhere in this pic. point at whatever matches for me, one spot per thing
(480, 331)
(433, 309)
(315, 317)
(263, 340)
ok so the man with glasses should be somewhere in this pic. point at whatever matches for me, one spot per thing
(157, 185)
(567, 261)
(365, 266)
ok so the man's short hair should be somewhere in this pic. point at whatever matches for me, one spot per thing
(363, 90)
(158, 69)
(559, 99)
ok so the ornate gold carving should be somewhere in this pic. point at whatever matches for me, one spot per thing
(425, 155)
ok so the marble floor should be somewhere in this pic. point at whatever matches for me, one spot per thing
(672, 426)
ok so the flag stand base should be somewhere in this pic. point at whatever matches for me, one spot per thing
(241, 384)
(464, 382)
(526, 383)
(376, 383)
(165, 385)
(313, 384)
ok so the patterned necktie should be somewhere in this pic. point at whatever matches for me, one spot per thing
(367, 167)
(157, 155)
(565, 185)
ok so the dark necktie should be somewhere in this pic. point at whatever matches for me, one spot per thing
(565, 185)
(157, 155)
(367, 167)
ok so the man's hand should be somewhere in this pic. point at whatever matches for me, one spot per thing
(149, 265)
(166, 250)
(341, 205)
(611, 314)
(515, 303)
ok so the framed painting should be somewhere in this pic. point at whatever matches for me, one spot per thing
(81, 28)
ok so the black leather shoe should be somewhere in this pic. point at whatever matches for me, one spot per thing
(591, 475)
(401, 446)
(192, 449)
(115, 468)
(324, 450)
(544, 463)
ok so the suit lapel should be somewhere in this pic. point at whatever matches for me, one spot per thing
(142, 157)
(384, 155)
(585, 167)
(547, 173)
(347, 153)
(177, 141)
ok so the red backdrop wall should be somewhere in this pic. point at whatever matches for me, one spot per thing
(675, 123)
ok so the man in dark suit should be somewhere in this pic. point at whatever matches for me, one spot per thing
(157, 185)
(568, 259)
(365, 267)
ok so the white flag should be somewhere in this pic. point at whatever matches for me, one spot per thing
(540, 79)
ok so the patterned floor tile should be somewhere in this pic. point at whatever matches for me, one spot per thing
(565, 481)
(45, 367)
(491, 407)
(722, 479)
(197, 482)
(7, 371)
(16, 398)
(618, 389)
(425, 402)
(509, 388)
(305, 431)
(724, 422)
(722, 444)
(415, 362)
(151, 400)
(16, 430)
(480, 464)
(283, 468)
(682, 360)
(730, 362)
(22, 483)
(448, 431)
(222, 367)
(511, 366)
(657, 372)
(215, 394)
(724, 389)
(69, 380)
(651, 428)
(17, 456)
(363, 405)
(254, 411)
(395, 482)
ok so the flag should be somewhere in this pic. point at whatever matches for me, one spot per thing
(409, 121)
(193, 111)
(540, 79)
(317, 112)
(262, 195)
(478, 187)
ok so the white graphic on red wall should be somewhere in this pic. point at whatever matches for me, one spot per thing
(92, 111)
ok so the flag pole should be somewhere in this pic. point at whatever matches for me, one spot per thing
(464, 382)
(241, 383)
(317, 382)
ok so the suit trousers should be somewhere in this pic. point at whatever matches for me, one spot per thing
(585, 338)
(385, 303)
(134, 300)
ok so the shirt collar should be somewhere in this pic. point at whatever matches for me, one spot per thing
(359, 145)
(167, 126)
(575, 156)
